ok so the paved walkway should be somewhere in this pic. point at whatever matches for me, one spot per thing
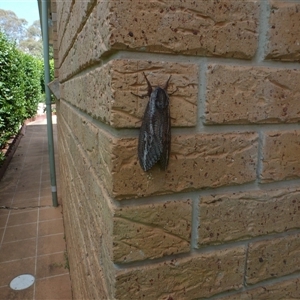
(31, 230)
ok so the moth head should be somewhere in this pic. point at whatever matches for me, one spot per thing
(161, 98)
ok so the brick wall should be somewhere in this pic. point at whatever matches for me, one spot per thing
(223, 222)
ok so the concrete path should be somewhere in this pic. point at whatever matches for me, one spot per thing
(31, 230)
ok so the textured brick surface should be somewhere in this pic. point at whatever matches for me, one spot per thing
(86, 201)
(289, 289)
(53, 6)
(63, 10)
(228, 29)
(81, 253)
(198, 276)
(284, 31)
(90, 42)
(281, 156)
(273, 258)
(77, 15)
(241, 95)
(151, 231)
(74, 239)
(196, 161)
(87, 258)
(115, 105)
(235, 216)
(103, 49)
(202, 158)
(96, 144)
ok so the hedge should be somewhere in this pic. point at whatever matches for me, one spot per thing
(20, 92)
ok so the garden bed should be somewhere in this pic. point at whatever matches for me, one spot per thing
(10, 149)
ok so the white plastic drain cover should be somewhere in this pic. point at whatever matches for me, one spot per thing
(22, 282)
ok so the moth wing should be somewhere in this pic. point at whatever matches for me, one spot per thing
(150, 144)
(166, 140)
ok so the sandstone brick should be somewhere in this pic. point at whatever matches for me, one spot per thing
(99, 164)
(106, 92)
(95, 144)
(53, 6)
(80, 171)
(196, 161)
(77, 17)
(59, 9)
(63, 10)
(289, 289)
(92, 266)
(199, 276)
(228, 29)
(84, 214)
(168, 226)
(152, 231)
(273, 258)
(55, 56)
(86, 201)
(90, 42)
(74, 241)
(54, 31)
(236, 216)
(243, 95)
(281, 155)
(56, 73)
(284, 31)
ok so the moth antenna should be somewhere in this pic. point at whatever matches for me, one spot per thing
(140, 96)
(149, 85)
(167, 83)
(170, 94)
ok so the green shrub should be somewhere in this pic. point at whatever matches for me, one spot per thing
(20, 76)
(31, 84)
(12, 97)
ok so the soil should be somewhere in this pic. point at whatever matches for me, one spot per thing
(10, 149)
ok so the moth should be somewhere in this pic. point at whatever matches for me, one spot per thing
(155, 132)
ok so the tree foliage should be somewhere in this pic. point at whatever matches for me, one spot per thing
(20, 77)
(14, 27)
(27, 39)
(33, 43)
